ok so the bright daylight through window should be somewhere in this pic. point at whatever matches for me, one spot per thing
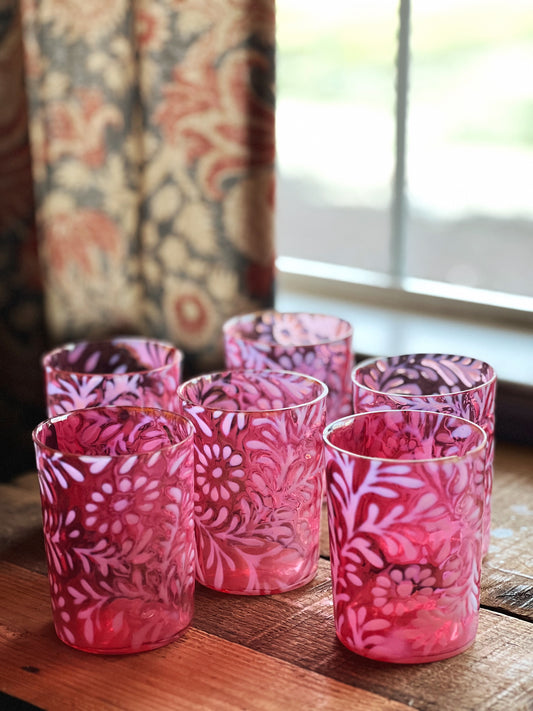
(467, 211)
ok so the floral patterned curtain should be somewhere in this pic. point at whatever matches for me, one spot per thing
(151, 130)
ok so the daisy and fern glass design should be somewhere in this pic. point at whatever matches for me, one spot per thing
(405, 498)
(454, 384)
(314, 344)
(117, 503)
(259, 478)
(119, 371)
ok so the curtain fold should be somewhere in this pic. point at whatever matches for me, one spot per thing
(151, 128)
(22, 326)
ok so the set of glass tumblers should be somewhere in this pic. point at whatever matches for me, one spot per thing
(149, 484)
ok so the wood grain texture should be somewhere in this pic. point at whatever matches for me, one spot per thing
(272, 652)
(298, 627)
(507, 581)
(199, 671)
(284, 647)
(21, 536)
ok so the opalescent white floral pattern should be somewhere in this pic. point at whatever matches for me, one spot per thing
(405, 533)
(117, 500)
(454, 384)
(313, 344)
(120, 371)
(259, 478)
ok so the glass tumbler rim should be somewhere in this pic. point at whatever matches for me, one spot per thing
(374, 359)
(168, 414)
(337, 424)
(70, 345)
(221, 374)
(249, 316)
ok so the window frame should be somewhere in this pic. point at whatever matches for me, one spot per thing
(383, 306)
(395, 288)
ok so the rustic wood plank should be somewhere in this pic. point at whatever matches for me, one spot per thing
(200, 671)
(21, 537)
(507, 581)
(294, 629)
(298, 627)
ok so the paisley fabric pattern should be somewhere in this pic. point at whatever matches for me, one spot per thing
(405, 533)
(454, 384)
(119, 371)
(315, 344)
(259, 478)
(117, 499)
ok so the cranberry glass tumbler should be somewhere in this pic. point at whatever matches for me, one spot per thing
(454, 384)
(117, 500)
(313, 344)
(119, 371)
(405, 503)
(259, 478)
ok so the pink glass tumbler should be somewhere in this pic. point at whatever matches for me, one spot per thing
(259, 478)
(405, 504)
(314, 344)
(454, 384)
(117, 502)
(119, 371)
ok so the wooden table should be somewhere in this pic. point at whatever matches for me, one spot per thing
(277, 652)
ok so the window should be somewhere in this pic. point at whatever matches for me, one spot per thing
(420, 195)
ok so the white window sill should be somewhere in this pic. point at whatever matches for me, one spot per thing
(386, 330)
(383, 330)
